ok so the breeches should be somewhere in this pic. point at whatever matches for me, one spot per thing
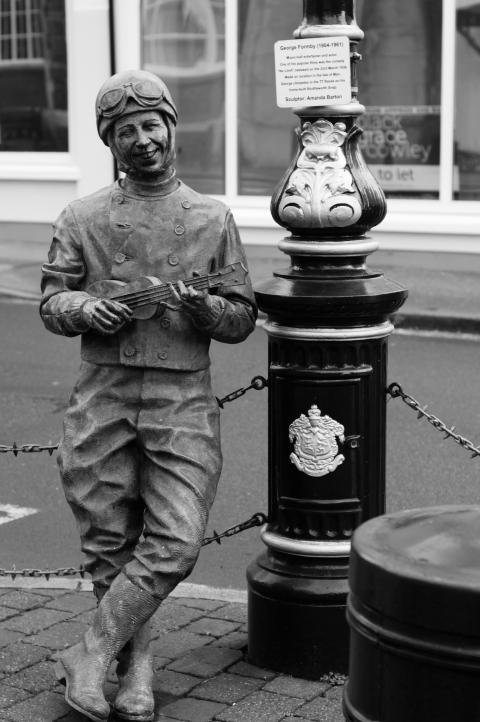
(140, 460)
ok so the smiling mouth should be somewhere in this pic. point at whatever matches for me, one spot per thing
(147, 156)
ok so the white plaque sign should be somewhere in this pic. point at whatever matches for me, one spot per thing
(313, 71)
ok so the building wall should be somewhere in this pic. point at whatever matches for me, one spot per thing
(420, 72)
(36, 185)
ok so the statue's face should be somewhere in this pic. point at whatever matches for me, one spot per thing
(139, 142)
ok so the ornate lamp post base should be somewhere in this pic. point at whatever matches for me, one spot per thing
(328, 325)
(297, 623)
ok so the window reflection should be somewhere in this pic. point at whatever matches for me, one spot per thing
(33, 76)
(467, 138)
(266, 134)
(183, 41)
(400, 83)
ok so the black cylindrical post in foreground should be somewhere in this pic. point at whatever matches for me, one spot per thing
(328, 325)
(413, 615)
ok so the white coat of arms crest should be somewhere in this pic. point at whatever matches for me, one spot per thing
(316, 449)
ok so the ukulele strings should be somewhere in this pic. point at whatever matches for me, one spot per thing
(159, 293)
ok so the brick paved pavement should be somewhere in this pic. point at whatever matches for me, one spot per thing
(202, 672)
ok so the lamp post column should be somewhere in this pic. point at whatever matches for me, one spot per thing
(328, 326)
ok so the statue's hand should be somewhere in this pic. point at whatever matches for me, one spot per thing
(193, 299)
(104, 315)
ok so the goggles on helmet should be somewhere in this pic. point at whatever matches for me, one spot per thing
(145, 93)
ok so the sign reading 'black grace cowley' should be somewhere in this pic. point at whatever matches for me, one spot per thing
(313, 71)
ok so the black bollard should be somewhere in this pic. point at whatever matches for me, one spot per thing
(414, 617)
(328, 326)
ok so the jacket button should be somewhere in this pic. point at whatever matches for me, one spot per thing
(119, 199)
(129, 351)
(165, 323)
(186, 204)
(173, 259)
(119, 257)
(179, 230)
(162, 355)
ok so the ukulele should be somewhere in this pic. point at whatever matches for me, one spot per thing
(144, 294)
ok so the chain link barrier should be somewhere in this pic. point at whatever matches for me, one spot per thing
(27, 448)
(396, 391)
(46, 573)
(336, 679)
(257, 383)
(258, 519)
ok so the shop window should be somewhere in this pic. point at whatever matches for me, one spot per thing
(467, 137)
(400, 84)
(400, 80)
(183, 41)
(266, 138)
(33, 76)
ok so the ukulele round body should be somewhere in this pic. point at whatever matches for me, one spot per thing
(120, 291)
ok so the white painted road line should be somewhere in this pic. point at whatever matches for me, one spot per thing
(10, 512)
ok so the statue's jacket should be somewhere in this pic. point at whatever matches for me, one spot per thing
(121, 234)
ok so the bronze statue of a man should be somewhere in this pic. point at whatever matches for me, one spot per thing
(140, 456)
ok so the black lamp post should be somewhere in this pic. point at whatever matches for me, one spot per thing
(328, 326)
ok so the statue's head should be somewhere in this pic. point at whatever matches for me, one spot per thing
(136, 118)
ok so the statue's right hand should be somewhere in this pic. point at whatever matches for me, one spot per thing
(104, 315)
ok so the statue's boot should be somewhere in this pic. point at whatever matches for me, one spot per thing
(83, 668)
(134, 701)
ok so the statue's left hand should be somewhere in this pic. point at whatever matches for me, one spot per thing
(191, 298)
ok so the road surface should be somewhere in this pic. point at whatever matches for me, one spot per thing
(38, 370)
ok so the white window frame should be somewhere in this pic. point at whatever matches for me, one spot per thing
(443, 224)
(35, 186)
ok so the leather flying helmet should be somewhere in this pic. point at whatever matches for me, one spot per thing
(128, 92)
